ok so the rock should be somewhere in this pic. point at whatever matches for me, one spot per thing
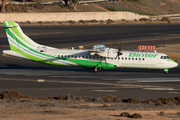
(133, 100)
(163, 100)
(10, 95)
(111, 98)
(79, 98)
(178, 113)
(136, 115)
(166, 19)
(161, 113)
(159, 103)
(59, 98)
(177, 98)
(69, 97)
(118, 100)
(99, 100)
(24, 97)
(94, 21)
(150, 102)
(124, 114)
(143, 19)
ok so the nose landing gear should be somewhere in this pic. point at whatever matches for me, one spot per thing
(166, 71)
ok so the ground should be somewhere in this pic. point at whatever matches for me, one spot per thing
(64, 110)
(146, 7)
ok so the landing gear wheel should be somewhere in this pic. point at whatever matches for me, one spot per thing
(166, 71)
(96, 70)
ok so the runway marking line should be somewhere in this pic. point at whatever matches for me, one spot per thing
(40, 80)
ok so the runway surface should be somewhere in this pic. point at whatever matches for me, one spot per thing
(22, 75)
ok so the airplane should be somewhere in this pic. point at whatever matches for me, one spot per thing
(98, 58)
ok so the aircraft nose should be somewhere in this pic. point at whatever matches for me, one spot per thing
(175, 64)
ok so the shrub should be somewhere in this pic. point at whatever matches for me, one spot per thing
(37, 5)
(163, 100)
(111, 98)
(159, 103)
(94, 21)
(81, 21)
(136, 115)
(143, 19)
(99, 100)
(124, 114)
(161, 113)
(72, 22)
(133, 100)
(178, 113)
(166, 19)
(10, 95)
(59, 98)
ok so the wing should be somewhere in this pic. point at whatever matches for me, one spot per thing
(101, 50)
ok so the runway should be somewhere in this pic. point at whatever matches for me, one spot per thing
(22, 75)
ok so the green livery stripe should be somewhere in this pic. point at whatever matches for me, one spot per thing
(90, 63)
(171, 60)
(9, 32)
(15, 30)
(31, 57)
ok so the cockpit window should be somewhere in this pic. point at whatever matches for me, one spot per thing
(165, 57)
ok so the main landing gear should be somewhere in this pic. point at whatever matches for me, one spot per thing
(97, 69)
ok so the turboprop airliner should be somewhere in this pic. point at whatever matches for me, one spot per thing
(97, 58)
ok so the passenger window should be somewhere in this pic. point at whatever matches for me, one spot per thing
(111, 58)
(58, 55)
(119, 58)
(86, 56)
(143, 59)
(75, 57)
(94, 57)
(61, 55)
(129, 58)
(82, 56)
(122, 58)
(139, 58)
(68, 56)
(72, 56)
(136, 58)
(126, 58)
(132, 58)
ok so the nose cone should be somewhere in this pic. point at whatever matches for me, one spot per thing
(174, 64)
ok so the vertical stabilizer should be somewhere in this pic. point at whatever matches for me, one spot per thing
(18, 40)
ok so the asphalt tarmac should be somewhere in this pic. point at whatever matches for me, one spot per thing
(22, 75)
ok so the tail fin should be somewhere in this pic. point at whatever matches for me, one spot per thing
(17, 39)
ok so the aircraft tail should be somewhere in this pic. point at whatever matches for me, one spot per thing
(18, 40)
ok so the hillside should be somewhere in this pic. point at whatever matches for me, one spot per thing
(145, 7)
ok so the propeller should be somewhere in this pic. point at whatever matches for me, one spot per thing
(119, 52)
